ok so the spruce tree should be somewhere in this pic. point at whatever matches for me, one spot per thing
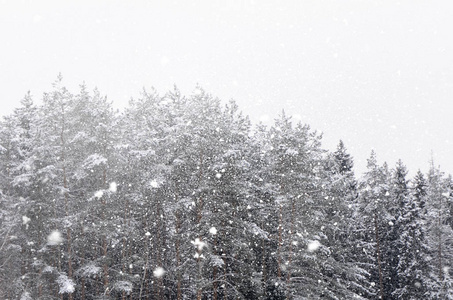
(413, 264)
(440, 234)
(373, 202)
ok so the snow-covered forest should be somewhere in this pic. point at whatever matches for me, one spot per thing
(181, 197)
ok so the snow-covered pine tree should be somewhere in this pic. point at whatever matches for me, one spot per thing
(299, 178)
(341, 271)
(412, 267)
(397, 200)
(284, 152)
(218, 136)
(375, 222)
(263, 207)
(141, 197)
(25, 189)
(91, 137)
(233, 231)
(55, 112)
(12, 238)
(440, 235)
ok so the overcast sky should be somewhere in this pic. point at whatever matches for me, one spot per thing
(377, 74)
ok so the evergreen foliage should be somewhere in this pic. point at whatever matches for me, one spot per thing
(180, 197)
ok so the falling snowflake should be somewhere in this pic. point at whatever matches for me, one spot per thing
(158, 272)
(199, 244)
(218, 175)
(213, 231)
(154, 184)
(113, 187)
(25, 220)
(313, 246)
(54, 238)
(99, 194)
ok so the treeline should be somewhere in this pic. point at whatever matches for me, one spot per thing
(180, 197)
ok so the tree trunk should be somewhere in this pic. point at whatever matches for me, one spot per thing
(82, 296)
(263, 266)
(65, 185)
(124, 250)
(157, 250)
(280, 243)
(214, 273)
(40, 284)
(144, 279)
(441, 271)
(178, 256)
(198, 221)
(288, 279)
(104, 240)
(378, 255)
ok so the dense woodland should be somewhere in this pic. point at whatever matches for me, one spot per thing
(181, 197)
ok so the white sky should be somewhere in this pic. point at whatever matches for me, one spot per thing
(377, 74)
